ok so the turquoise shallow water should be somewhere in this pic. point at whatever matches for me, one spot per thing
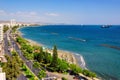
(84, 40)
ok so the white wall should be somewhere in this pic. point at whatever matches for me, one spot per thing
(2, 76)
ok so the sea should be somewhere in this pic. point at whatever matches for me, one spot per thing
(99, 47)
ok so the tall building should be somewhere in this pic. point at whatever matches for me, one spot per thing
(1, 33)
(2, 58)
(12, 22)
(2, 75)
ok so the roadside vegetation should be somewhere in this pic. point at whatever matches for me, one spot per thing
(27, 72)
(14, 28)
(15, 66)
(45, 61)
(12, 67)
(5, 28)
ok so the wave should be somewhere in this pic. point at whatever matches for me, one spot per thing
(54, 33)
(80, 60)
(78, 39)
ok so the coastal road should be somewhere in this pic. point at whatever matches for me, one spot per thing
(6, 47)
(21, 77)
(27, 62)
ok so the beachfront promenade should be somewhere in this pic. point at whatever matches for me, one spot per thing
(27, 62)
(21, 77)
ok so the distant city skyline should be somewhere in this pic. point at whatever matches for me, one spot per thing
(61, 11)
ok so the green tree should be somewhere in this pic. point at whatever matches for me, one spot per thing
(11, 68)
(89, 73)
(62, 66)
(63, 78)
(14, 28)
(47, 58)
(76, 69)
(16, 58)
(29, 49)
(39, 56)
(28, 56)
(92, 75)
(36, 65)
(54, 62)
(41, 74)
(21, 40)
(36, 48)
(15, 68)
(5, 28)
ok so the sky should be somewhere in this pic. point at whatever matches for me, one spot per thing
(62, 11)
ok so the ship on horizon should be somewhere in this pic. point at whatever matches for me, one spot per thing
(105, 26)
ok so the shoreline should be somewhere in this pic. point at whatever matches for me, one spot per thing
(68, 56)
(65, 55)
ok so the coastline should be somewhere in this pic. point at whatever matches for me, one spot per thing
(70, 57)
(65, 55)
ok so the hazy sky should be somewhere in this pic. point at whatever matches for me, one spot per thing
(62, 11)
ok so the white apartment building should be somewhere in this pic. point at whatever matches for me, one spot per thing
(12, 22)
(2, 58)
(2, 75)
(1, 33)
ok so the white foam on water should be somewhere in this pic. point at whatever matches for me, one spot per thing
(81, 60)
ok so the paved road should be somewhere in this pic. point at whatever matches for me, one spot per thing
(6, 46)
(21, 77)
(28, 62)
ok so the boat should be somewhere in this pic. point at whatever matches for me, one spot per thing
(106, 26)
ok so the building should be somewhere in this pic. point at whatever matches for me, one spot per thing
(1, 33)
(12, 22)
(2, 58)
(2, 75)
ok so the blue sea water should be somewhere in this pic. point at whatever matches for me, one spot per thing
(85, 40)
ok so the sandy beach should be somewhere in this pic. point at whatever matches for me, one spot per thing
(33, 43)
(65, 55)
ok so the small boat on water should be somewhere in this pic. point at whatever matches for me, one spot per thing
(106, 26)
